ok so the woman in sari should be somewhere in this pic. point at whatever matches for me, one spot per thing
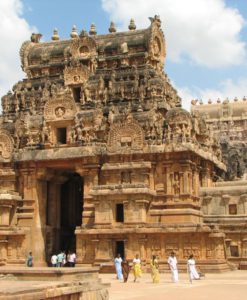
(118, 261)
(137, 267)
(125, 269)
(155, 269)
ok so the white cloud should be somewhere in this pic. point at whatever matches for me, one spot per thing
(206, 32)
(226, 89)
(14, 30)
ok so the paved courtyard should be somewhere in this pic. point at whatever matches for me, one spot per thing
(231, 285)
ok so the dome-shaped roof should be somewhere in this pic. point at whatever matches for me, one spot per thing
(178, 114)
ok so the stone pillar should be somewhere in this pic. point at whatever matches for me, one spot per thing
(90, 179)
(243, 199)
(168, 181)
(225, 201)
(228, 250)
(207, 200)
(142, 244)
(218, 244)
(244, 248)
(3, 249)
(186, 183)
(38, 190)
(5, 215)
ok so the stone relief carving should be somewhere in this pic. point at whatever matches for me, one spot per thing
(83, 46)
(6, 145)
(74, 75)
(58, 107)
(125, 135)
(156, 52)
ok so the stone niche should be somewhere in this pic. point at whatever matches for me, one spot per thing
(59, 112)
(8, 204)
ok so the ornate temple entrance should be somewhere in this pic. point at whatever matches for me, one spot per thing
(64, 212)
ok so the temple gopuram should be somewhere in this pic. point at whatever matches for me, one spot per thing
(98, 156)
(225, 204)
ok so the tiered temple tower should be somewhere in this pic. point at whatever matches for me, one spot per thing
(97, 154)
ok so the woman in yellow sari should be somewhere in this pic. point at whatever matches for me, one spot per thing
(155, 269)
(137, 267)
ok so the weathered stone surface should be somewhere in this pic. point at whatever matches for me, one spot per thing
(98, 156)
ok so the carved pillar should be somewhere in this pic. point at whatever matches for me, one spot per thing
(206, 201)
(142, 245)
(243, 199)
(169, 180)
(185, 184)
(218, 244)
(5, 214)
(35, 189)
(244, 248)
(3, 249)
(90, 179)
(228, 250)
(38, 190)
(225, 201)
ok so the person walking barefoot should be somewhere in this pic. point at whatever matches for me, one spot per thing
(191, 265)
(118, 267)
(137, 267)
(172, 262)
(125, 269)
(154, 265)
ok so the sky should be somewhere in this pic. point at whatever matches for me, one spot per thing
(205, 39)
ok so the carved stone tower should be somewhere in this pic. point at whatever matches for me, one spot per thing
(97, 154)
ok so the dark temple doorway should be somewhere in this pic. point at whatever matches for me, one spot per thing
(71, 207)
(120, 248)
(64, 207)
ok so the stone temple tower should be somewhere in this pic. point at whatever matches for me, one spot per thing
(98, 156)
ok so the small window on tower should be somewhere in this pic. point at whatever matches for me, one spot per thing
(232, 209)
(77, 94)
(126, 141)
(61, 135)
(119, 212)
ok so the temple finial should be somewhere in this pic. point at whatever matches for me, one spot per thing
(74, 33)
(132, 25)
(55, 36)
(93, 30)
(112, 28)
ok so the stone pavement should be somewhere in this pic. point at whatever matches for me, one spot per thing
(225, 286)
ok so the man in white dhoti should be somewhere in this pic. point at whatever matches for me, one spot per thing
(191, 265)
(172, 262)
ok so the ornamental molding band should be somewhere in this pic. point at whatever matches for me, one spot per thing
(61, 107)
(6, 145)
(74, 75)
(125, 136)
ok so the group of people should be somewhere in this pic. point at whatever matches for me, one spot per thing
(57, 260)
(123, 268)
(61, 260)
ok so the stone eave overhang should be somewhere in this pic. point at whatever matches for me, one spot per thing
(144, 228)
(65, 153)
(109, 42)
(123, 189)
